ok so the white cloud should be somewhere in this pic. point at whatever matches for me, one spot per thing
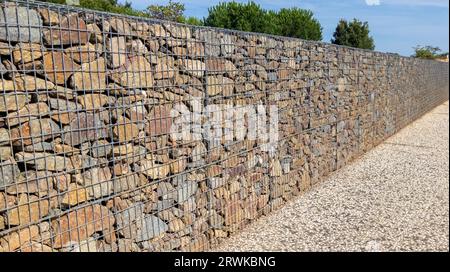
(373, 2)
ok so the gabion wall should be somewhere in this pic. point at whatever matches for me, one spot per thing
(88, 99)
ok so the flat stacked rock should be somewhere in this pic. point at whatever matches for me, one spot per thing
(88, 100)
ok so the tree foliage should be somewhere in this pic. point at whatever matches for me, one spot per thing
(292, 22)
(173, 11)
(238, 16)
(298, 23)
(428, 52)
(354, 34)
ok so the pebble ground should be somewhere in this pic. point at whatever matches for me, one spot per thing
(393, 198)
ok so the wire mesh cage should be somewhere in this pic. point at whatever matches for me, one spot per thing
(120, 133)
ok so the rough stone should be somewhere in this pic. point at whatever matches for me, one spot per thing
(91, 76)
(9, 172)
(116, 47)
(97, 182)
(26, 52)
(125, 130)
(27, 113)
(13, 101)
(92, 101)
(20, 24)
(135, 73)
(153, 170)
(101, 148)
(15, 240)
(80, 224)
(84, 53)
(28, 210)
(34, 131)
(192, 67)
(58, 67)
(72, 30)
(84, 128)
(74, 196)
(160, 121)
(49, 17)
(45, 161)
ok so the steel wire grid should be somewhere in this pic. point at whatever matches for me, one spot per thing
(87, 158)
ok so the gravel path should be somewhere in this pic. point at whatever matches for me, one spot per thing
(394, 198)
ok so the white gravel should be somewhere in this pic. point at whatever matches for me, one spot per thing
(394, 198)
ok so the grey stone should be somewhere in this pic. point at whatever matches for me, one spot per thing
(101, 148)
(150, 227)
(64, 105)
(186, 190)
(211, 39)
(9, 172)
(272, 76)
(20, 24)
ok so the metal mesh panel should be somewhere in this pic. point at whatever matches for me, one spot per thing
(107, 125)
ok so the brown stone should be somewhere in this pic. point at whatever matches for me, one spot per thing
(154, 170)
(30, 83)
(34, 182)
(120, 26)
(63, 117)
(58, 67)
(6, 201)
(177, 166)
(49, 17)
(72, 30)
(75, 195)
(92, 101)
(192, 67)
(219, 84)
(160, 121)
(213, 170)
(29, 209)
(176, 225)
(5, 48)
(96, 35)
(116, 48)
(233, 213)
(163, 69)
(65, 149)
(125, 130)
(136, 73)
(27, 113)
(13, 101)
(91, 76)
(34, 131)
(84, 53)
(15, 240)
(26, 52)
(45, 161)
(80, 224)
(84, 127)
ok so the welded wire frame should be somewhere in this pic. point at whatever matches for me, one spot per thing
(88, 99)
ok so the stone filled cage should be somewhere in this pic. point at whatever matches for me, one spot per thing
(89, 160)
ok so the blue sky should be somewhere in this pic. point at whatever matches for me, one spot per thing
(396, 25)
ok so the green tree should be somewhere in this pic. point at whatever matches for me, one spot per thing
(354, 34)
(173, 11)
(427, 52)
(192, 21)
(292, 22)
(238, 16)
(298, 23)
